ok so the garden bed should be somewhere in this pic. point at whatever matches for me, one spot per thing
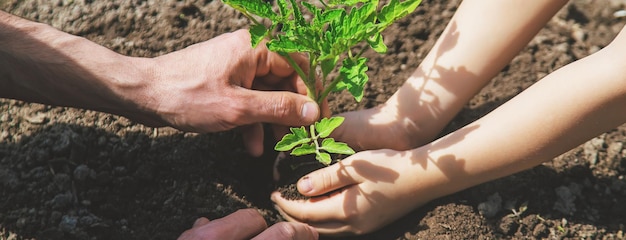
(73, 174)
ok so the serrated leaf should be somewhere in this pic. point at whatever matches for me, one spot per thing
(395, 10)
(257, 34)
(328, 65)
(312, 8)
(256, 7)
(331, 15)
(297, 14)
(304, 149)
(331, 146)
(362, 14)
(296, 137)
(345, 2)
(284, 10)
(324, 158)
(376, 42)
(355, 76)
(286, 44)
(327, 125)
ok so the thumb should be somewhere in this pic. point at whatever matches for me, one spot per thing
(281, 107)
(325, 180)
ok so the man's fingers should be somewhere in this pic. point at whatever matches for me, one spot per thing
(200, 221)
(243, 224)
(249, 223)
(283, 108)
(288, 230)
(253, 138)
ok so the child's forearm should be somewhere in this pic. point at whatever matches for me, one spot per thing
(482, 37)
(566, 108)
(41, 64)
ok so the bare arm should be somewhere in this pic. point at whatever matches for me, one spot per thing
(566, 108)
(202, 88)
(44, 65)
(482, 38)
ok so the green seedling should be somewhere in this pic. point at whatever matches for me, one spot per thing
(329, 32)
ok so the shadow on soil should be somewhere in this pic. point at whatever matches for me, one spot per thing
(71, 182)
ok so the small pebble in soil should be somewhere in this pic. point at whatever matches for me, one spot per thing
(82, 172)
(68, 223)
(541, 231)
(21, 222)
(566, 197)
(508, 225)
(491, 207)
(62, 201)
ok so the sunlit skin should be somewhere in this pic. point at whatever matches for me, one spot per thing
(202, 88)
(246, 224)
(564, 109)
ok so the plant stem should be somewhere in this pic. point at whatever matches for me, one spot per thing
(295, 65)
(314, 138)
(310, 84)
(310, 81)
(329, 88)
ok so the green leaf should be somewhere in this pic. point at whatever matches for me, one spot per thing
(395, 10)
(296, 137)
(377, 43)
(330, 15)
(328, 65)
(327, 125)
(304, 149)
(257, 34)
(355, 76)
(324, 158)
(297, 14)
(331, 146)
(345, 2)
(284, 10)
(286, 44)
(256, 7)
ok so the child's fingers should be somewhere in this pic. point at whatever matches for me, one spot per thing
(319, 209)
(326, 180)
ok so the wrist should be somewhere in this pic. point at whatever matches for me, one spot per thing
(132, 92)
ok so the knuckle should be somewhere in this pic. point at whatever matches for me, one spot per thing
(285, 231)
(327, 180)
(351, 215)
(281, 108)
(234, 116)
(305, 214)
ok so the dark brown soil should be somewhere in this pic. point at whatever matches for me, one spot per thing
(74, 174)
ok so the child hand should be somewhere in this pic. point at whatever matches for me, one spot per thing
(366, 192)
(377, 128)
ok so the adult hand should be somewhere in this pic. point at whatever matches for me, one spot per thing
(206, 87)
(361, 193)
(246, 224)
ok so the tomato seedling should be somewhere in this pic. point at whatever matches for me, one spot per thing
(329, 32)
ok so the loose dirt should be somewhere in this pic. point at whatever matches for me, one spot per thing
(74, 174)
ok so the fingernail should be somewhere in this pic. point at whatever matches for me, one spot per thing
(310, 111)
(305, 185)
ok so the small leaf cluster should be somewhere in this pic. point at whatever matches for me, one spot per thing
(334, 29)
(305, 142)
(329, 32)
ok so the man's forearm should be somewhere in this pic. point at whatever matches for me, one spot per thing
(41, 64)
